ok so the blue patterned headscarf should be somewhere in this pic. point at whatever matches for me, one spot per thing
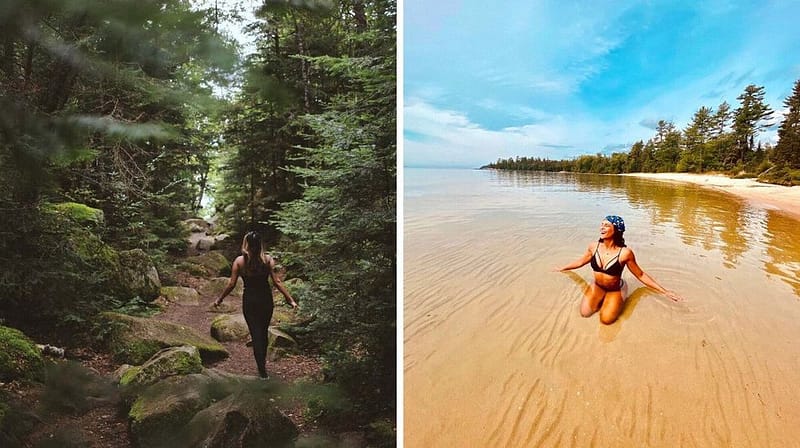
(617, 222)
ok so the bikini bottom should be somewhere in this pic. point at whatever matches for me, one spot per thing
(619, 287)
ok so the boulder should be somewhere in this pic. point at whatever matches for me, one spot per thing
(81, 213)
(158, 415)
(215, 286)
(210, 409)
(134, 340)
(168, 362)
(204, 243)
(197, 225)
(214, 262)
(218, 239)
(229, 327)
(226, 307)
(279, 343)
(139, 275)
(283, 315)
(181, 295)
(19, 356)
(242, 419)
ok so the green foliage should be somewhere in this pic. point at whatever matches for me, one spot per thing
(313, 156)
(55, 265)
(781, 175)
(721, 140)
(787, 151)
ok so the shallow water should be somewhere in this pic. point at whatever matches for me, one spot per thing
(497, 354)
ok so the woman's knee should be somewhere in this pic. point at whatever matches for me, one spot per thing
(608, 318)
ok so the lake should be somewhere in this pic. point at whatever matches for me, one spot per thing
(497, 354)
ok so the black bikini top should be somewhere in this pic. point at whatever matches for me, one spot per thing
(613, 267)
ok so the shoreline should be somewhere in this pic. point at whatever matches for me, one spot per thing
(769, 196)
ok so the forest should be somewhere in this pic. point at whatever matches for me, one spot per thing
(122, 121)
(715, 140)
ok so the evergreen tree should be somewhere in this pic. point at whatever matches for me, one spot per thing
(787, 151)
(749, 119)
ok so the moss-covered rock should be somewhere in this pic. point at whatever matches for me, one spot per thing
(214, 262)
(282, 315)
(181, 295)
(229, 327)
(185, 410)
(81, 213)
(134, 340)
(139, 275)
(215, 286)
(19, 356)
(280, 343)
(241, 420)
(167, 362)
(160, 412)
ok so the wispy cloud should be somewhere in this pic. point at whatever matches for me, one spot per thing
(558, 79)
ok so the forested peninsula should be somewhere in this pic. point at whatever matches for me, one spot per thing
(138, 144)
(715, 140)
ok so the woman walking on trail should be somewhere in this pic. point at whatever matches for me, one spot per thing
(608, 257)
(255, 267)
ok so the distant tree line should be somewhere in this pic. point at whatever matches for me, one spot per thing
(721, 140)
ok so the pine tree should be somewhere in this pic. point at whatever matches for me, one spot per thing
(787, 151)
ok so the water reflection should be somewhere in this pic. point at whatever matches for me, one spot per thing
(703, 218)
(784, 249)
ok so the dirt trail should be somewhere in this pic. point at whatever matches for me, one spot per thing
(104, 426)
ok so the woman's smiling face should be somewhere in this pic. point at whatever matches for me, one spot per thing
(606, 229)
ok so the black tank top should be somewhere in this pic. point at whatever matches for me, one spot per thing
(257, 283)
(613, 268)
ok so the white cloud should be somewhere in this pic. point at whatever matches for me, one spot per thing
(441, 137)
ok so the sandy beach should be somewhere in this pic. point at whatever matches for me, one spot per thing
(769, 196)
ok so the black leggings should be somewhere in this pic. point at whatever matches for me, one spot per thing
(258, 313)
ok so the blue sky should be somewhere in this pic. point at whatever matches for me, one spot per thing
(557, 79)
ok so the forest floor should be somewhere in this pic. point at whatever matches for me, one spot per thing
(105, 423)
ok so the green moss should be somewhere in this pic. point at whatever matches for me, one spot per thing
(168, 362)
(129, 375)
(192, 268)
(214, 261)
(19, 356)
(80, 213)
(134, 340)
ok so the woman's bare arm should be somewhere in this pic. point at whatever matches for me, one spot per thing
(580, 262)
(231, 281)
(276, 280)
(630, 262)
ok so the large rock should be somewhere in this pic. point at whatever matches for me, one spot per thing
(19, 356)
(214, 262)
(158, 415)
(241, 420)
(197, 225)
(81, 213)
(229, 327)
(133, 340)
(167, 362)
(280, 343)
(215, 286)
(181, 295)
(139, 275)
(205, 243)
(210, 409)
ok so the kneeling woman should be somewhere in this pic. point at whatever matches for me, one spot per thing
(608, 257)
(256, 267)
